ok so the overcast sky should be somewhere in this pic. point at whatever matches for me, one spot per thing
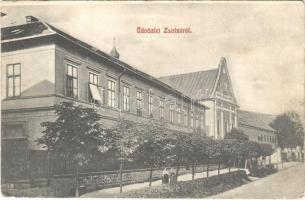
(262, 42)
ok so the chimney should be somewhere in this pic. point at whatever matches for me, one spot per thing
(30, 19)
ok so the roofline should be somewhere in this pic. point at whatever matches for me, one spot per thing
(187, 73)
(112, 59)
(28, 37)
(132, 69)
(259, 128)
(257, 112)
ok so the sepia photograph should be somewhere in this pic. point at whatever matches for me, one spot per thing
(154, 99)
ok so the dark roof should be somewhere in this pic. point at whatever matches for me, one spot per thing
(24, 30)
(195, 85)
(37, 29)
(254, 119)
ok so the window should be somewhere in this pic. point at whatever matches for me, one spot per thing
(93, 78)
(111, 93)
(185, 118)
(171, 113)
(202, 121)
(196, 122)
(13, 80)
(126, 99)
(226, 127)
(94, 94)
(150, 105)
(218, 126)
(139, 99)
(233, 121)
(10, 131)
(161, 107)
(191, 120)
(179, 115)
(72, 81)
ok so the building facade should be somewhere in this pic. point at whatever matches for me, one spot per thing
(42, 66)
(256, 127)
(212, 88)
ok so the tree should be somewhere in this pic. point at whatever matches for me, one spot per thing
(237, 134)
(231, 150)
(290, 130)
(208, 151)
(195, 145)
(218, 152)
(249, 150)
(266, 150)
(126, 136)
(154, 146)
(76, 133)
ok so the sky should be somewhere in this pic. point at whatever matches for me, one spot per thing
(263, 42)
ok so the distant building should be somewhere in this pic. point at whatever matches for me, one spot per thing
(257, 127)
(214, 89)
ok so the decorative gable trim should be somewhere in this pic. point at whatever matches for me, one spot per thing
(222, 65)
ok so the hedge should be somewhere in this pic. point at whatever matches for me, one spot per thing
(192, 189)
(262, 171)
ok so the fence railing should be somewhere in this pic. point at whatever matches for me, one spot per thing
(104, 179)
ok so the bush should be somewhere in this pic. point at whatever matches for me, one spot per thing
(28, 192)
(262, 171)
(192, 189)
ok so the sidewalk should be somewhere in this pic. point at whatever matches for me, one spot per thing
(113, 192)
(288, 183)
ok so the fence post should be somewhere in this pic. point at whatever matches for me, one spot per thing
(49, 167)
(121, 175)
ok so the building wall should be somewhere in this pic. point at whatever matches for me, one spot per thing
(37, 77)
(210, 115)
(268, 137)
(43, 71)
(87, 63)
(31, 121)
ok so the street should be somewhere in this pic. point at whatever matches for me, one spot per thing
(288, 183)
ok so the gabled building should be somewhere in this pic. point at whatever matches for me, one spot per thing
(212, 88)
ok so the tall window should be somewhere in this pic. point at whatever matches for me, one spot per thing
(13, 80)
(171, 113)
(161, 107)
(150, 105)
(218, 126)
(179, 115)
(185, 120)
(191, 120)
(196, 122)
(111, 93)
(126, 99)
(226, 127)
(72, 81)
(202, 121)
(139, 99)
(94, 95)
